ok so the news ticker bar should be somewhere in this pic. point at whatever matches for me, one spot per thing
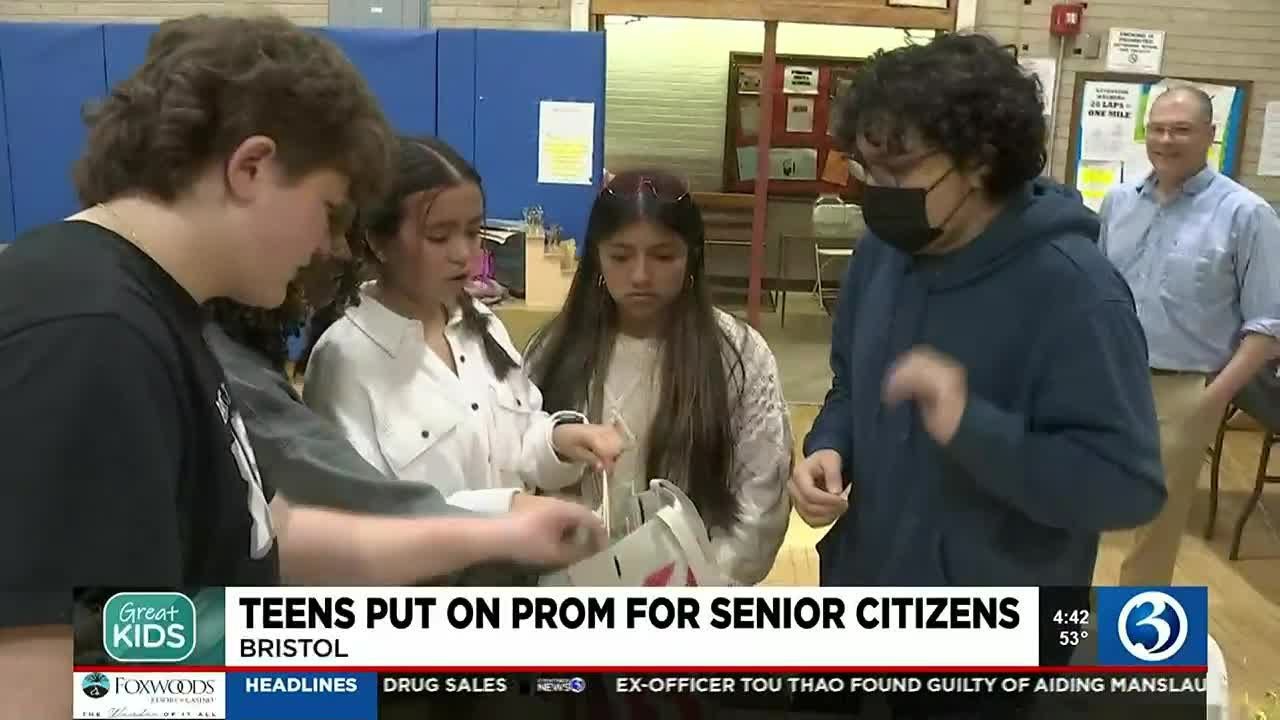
(359, 696)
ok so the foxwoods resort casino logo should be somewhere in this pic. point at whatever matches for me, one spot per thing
(96, 685)
(192, 696)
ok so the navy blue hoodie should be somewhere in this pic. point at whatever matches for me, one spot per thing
(1058, 440)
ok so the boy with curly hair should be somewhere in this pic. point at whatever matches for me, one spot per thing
(990, 413)
(222, 166)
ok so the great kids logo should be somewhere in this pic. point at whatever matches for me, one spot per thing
(149, 627)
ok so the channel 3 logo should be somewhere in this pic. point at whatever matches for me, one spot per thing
(1153, 626)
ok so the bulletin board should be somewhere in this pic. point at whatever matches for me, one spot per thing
(803, 161)
(1108, 128)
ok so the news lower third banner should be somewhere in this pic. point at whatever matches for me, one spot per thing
(356, 653)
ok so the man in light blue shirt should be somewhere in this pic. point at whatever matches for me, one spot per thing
(1201, 254)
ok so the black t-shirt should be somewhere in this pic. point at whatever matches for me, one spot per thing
(123, 462)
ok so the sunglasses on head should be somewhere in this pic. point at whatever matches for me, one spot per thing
(663, 187)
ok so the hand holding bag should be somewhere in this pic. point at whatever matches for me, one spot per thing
(669, 547)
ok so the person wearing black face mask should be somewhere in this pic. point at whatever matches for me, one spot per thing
(900, 215)
(991, 412)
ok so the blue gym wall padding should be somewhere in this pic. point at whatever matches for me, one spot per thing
(126, 48)
(479, 90)
(50, 70)
(6, 187)
(515, 71)
(456, 90)
(400, 67)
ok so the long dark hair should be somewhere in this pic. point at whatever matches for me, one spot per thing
(690, 440)
(422, 164)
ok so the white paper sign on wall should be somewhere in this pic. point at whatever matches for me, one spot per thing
(800, 80)
(1135, 51)
(1269, 153)
(1045, 69)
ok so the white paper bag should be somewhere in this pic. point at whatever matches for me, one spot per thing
(670, 547)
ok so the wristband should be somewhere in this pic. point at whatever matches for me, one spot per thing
(563, 417)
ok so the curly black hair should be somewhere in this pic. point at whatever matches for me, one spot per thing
(964, 95)
(266, 331)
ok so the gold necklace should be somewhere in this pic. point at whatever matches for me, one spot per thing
(125, 228)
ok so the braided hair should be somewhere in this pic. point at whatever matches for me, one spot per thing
(425, 164)
(422, 164)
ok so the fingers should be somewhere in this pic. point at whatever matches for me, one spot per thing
(598, 538)
(817, 489)
(603, 445)
(814, 503)
(831, 479)
(586, 525)
(583, 535)
(819, 502)
(520, 501)
(905, 378)
(820, 515)
(558, 533)
(921, 373)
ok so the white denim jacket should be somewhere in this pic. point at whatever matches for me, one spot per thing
(410, 416)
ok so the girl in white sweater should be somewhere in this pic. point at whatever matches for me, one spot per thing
(694, 391)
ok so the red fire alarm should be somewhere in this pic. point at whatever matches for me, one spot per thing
(1065, 18)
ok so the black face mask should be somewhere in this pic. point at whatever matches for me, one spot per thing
(899, 216)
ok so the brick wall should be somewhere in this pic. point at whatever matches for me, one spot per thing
(529, 14)
(1232, 40)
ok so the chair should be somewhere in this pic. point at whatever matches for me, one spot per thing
(1259, 400)
(822, 257)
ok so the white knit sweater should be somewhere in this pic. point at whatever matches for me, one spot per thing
(762, 456)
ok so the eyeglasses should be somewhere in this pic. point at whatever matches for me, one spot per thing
(890, 170)
(665, 188)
